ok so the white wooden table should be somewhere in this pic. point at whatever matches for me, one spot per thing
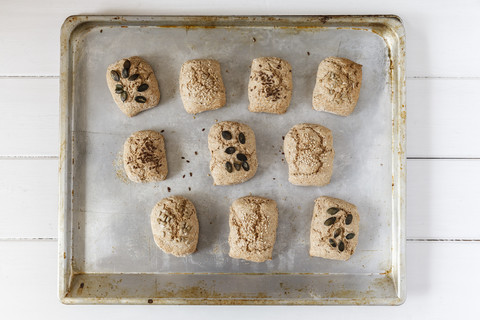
(443, 103)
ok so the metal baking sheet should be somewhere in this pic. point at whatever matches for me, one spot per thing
(106, 249)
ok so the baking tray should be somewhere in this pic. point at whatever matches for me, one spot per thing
(106, 249)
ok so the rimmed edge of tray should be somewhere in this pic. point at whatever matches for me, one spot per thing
(72, 285)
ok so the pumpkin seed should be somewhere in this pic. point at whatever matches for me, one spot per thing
(230, 150)
(332, 211)
(140, 99)
(341, 246)
(350, 236)
(118, 86)
(115, 75)
(226, 135)
(123, 96)
(118, 90)
(125, 73)
(228, 166)
(237, 166)
(241, 138)
(241, 157)
(245, 166)
(348, 219)
(142, 87)
(332, 242)
(133, 77)
(330, 221)
(337, 232)
(127, 64)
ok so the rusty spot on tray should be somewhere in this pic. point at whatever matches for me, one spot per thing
(80, 288)
(188, 28)
(203, 291)
(387, 272)
(324, 19)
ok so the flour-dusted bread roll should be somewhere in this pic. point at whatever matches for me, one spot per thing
(338, 86)
(270, 85)
(175, 226)
(144, 157)
(253, 227)
(133, 85)
(201, 86)
(233, 150)
(309, 153)
(334, 229)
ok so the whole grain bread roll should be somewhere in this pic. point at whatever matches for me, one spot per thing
(133, 85)
(253, 226)
(201, 86)
(233, 153)
(337, 87)
(175, 226)
(270, 85)
(334, 229)
(144, 157)
(309, 154)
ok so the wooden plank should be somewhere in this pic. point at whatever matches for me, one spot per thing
(29, 121)
(440, 193)
(436, 189)
(442, 116)
(28, 197)
(436, 34)
(434, 292)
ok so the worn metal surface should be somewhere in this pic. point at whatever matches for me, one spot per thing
(106, 250)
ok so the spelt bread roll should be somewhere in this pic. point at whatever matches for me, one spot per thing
(334, 229)
(201, 86)
(309, 154)
(253, 226)
(233, 149)
(144, 157)
(133, 85)
(175, 226)
(270, 85)
(337, 86)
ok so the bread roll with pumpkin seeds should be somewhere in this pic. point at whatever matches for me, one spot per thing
(232, 147)
(334, 229)
(175, 226)
(133, 85)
